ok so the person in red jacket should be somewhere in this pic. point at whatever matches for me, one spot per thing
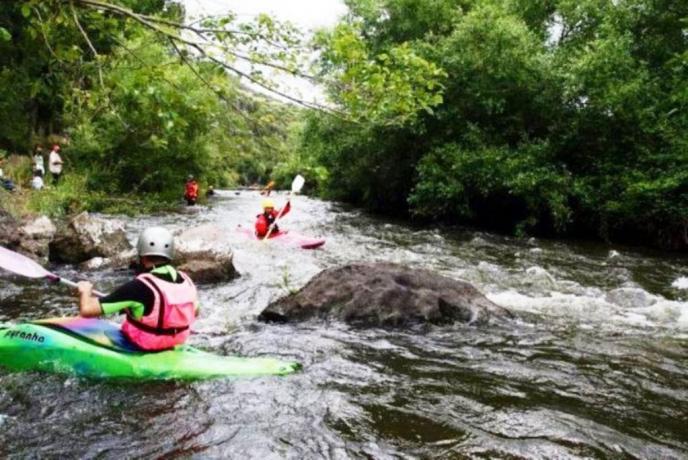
(191, 191)
(269, 216)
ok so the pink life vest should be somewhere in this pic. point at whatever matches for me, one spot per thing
(168, 323)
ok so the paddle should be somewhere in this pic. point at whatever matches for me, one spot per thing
(296, 186)
(267, 188)
(22, 265)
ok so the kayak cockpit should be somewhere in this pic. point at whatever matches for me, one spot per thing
(94, 331)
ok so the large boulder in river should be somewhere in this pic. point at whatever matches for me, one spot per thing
(36, 235)
(86, 237)
(31, 236)
(121, 261)
(204, 253)
(10, 236)
(384, 294)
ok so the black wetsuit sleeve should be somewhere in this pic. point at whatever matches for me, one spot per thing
(132, 295)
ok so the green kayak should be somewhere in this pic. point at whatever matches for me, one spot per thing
(96, 348)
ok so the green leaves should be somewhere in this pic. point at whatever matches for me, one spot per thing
(550, 116)
(389, 88)
(457, 182)
(26, 10)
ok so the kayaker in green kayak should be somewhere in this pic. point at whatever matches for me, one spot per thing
(160, 304)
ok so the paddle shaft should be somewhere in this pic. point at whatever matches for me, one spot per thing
(72, 284)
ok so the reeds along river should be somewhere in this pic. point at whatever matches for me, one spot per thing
(594, 366)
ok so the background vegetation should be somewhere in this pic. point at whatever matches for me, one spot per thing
(555, 117)
(134, 113)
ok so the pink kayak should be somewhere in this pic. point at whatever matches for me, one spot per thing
(286, 237)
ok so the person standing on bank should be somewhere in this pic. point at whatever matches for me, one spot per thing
(160, 304)
(38, 160)
(55, 163)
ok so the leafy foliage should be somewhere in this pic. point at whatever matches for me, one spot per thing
(556, 116)
(550, 116)
(139, 110)
(388, 87)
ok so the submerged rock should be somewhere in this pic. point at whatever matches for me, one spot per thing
(630, 297)
(384, 294)
(86, 237)
(123, 260)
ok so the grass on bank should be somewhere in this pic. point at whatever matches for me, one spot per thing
(72, 195)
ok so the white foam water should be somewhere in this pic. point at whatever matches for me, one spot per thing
(607, 311)
(680, 283)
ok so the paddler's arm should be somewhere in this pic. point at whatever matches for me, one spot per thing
(287, 208)
(132, 296)
(89, 305)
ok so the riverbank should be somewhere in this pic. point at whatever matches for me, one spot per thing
(73, 195)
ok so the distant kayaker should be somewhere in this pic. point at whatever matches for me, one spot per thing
(191, 191)
(269, 216)
(211, 191)
(160, 304)
(268, 188)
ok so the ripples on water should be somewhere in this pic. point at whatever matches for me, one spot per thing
(595, 366)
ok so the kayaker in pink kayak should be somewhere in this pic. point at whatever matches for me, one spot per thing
(269, 216)
(160, 304)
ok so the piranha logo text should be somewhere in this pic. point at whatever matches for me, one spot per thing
(25, 336)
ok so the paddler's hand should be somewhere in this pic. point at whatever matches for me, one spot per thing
(89, 306)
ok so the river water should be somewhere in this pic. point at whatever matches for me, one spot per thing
(594, 366)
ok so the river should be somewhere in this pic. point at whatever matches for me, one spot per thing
(594, 366)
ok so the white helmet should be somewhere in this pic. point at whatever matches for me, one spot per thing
(156, 241)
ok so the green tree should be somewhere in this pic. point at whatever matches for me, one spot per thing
(556, 116)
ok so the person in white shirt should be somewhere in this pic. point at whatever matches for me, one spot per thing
(37, 181)
(38, 160)
(55, 163)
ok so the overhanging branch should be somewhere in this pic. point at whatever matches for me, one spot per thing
(90, 45)
(153, 23)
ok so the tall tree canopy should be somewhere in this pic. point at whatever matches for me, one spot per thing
(148, 97)
(556, 116)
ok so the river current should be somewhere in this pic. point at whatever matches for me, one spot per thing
(595, 365)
